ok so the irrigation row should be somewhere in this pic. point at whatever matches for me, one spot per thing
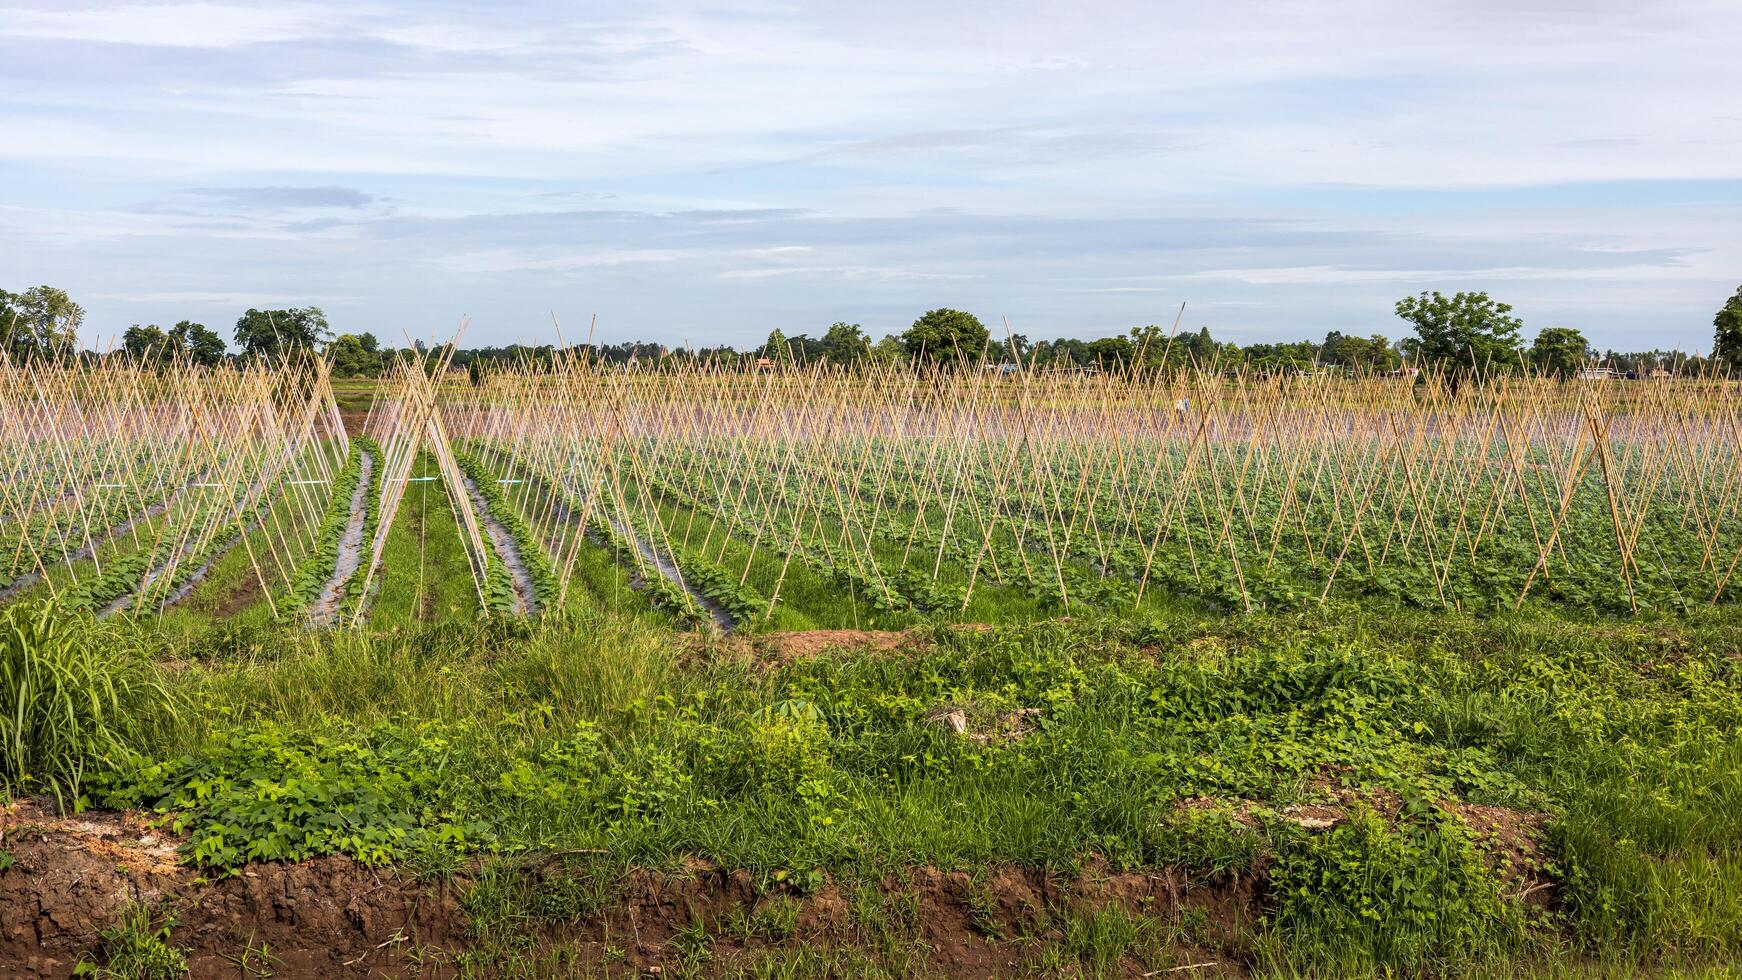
(324, 610)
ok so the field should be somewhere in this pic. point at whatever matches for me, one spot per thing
(579, 671)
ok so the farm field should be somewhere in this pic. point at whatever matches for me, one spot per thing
(577, 672)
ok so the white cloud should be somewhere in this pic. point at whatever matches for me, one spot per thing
(176, 25)
(877, 273)
(509, 260)
(1080, 163)
(205, 298)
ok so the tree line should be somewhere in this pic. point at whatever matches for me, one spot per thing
(1466, 336)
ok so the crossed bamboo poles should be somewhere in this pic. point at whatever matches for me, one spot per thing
(1021, 477)
(982, 478)
(167, 461)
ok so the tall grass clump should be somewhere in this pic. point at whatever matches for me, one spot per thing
(72, 693)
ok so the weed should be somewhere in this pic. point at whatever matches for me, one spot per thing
(255, 961)
(692, 943)
(770, 920)
(71, 697)
(137, 948)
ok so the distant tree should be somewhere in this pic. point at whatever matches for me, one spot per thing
(265, 333)
(1147, 344)
(1112, 353)
(147, 342)
(804, 348)
(776, 348)
(889, 350)
(1360, 354)
(1560, 351)
(1466, 335)
(1202, 347)
(201, 344)
(1289, 358)
(845, 343)
(1727, 339)
(1063, 352)
(352, 357)
(945, 336)
(41, 321)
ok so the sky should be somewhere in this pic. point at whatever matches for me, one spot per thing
(703, 173)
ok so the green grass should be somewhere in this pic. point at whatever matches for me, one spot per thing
(423, 575)
(138, 947)
(71, 693)
(598, 734)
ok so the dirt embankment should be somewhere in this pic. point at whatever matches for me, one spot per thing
(331, 917)
(73, 877)
(775, 649)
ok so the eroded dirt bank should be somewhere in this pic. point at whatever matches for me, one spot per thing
(331, 917)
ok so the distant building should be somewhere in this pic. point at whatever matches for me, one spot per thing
(1595, 374)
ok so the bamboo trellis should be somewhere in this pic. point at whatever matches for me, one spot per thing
(122, 481)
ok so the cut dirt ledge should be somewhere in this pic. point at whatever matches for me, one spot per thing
(331, 917)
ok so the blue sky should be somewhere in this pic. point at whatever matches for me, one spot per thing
(704, 173)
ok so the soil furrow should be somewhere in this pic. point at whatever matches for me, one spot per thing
(507, 549)
(325, 608)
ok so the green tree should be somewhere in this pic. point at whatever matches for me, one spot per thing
(845, 343)
(200, 343)
(1560, 351)
(1147, 344)
(1202, 347)
(41, 321)
(945, 336)
(776, 348)
(888, 350)
(145, 342)
(266, 333)
(1285, 358)
(352, 357)
(1112, 353)
(1373, 353)
(1466, 335)
(1727, 340)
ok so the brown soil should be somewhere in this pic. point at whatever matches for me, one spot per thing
(321, 918)
(776, 649)
(1511, 839)
(353, 421)
(330, 917)
(245, 593)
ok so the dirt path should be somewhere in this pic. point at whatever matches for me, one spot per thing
(525, 599)
(181, 591)
(325, 608)
(187, 586)
(669, 570)
(157, 507)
